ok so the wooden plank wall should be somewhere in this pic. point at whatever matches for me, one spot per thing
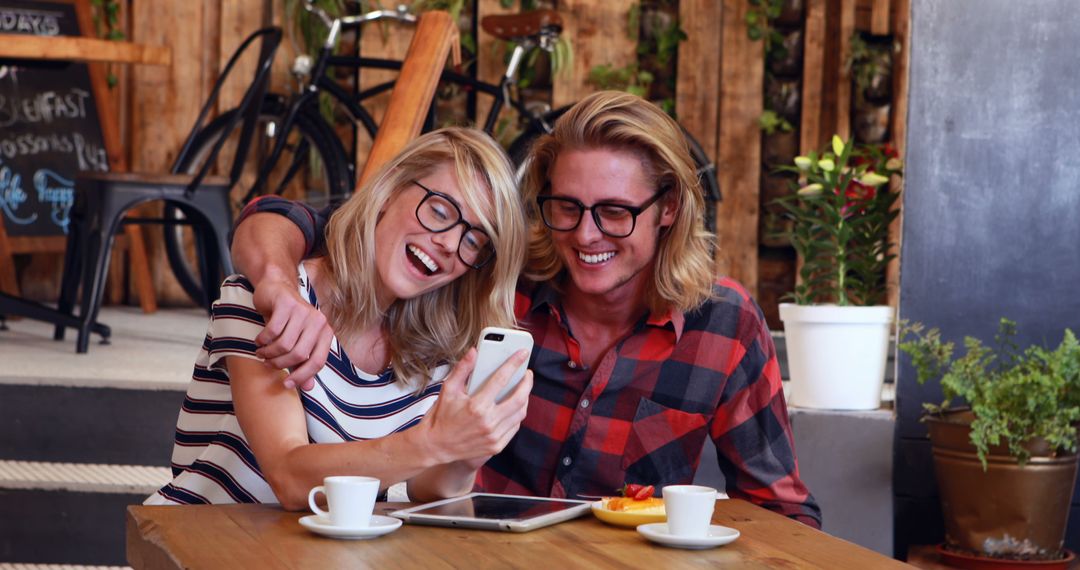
(739, 154)
(718, 96)
(696, 102)
(597, 30)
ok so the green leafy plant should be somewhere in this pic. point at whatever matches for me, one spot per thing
(841, 218)
(106, 16)
(630, 78)
(771, 122)
(1015, 395)
(759, 16)
(869, 63)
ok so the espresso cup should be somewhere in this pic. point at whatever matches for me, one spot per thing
(351, 500)
(689, 509)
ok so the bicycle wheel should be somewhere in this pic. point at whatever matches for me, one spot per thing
(312, 168)
(706, 169)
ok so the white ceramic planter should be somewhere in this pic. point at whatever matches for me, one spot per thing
(836, 355)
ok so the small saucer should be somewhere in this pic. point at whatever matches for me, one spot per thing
(717, 536)
(379, 526)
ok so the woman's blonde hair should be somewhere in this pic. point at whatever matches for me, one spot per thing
(684, 274)
(439, 326)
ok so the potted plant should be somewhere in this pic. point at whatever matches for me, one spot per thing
(837, 330)
(1006, 461)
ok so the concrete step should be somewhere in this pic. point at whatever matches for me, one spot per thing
(87, 425)
(67, 513)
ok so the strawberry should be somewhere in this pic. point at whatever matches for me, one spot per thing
(644, 493)
(630, 489)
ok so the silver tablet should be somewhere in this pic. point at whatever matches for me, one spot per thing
(488, 511)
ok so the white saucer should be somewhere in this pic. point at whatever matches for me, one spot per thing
(717, 536)
(379, 526)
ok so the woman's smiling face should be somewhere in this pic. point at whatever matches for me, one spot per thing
(410, 259)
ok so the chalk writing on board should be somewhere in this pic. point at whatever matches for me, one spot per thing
(12, 197)
(50, 130)
(44, 107)
(58, 192)
(29, 21)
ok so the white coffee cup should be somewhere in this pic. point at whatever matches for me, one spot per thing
(351, 500)
(689, 509)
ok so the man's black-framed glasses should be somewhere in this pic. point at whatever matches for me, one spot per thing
(439, 213)
(614, 220)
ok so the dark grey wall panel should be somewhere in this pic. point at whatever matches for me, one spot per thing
(87, 425)
(992, 189)
(63, 527)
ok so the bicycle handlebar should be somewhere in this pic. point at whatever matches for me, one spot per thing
(334, 25)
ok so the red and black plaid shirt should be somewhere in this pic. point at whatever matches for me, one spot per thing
(642, 415)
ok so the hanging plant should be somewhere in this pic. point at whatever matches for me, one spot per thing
(106, 16)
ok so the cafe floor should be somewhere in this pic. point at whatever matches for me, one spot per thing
(146, 351)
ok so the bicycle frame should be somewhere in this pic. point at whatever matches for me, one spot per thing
(322, 83)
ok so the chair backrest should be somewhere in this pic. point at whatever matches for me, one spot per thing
(247, 112)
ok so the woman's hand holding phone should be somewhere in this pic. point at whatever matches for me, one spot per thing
(463, 427)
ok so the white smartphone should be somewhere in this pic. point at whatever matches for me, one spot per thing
(495, 347)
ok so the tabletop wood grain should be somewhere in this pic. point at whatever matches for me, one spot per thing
(259, 536)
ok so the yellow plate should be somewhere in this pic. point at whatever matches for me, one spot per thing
(623, 518)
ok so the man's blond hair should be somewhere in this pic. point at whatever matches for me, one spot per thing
(684, 274)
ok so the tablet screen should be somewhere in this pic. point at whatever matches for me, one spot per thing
(496, 507)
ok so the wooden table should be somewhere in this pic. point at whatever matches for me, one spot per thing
(257, 536)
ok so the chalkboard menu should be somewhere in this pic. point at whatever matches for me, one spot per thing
(49, 124)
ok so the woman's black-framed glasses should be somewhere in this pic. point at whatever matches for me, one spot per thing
(614, 220)
(439, 213)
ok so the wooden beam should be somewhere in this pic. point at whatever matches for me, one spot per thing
(843, 79)
(900, 70)
(490, 54)
(697, 94)
(811, 135)
(385, 40)
(436, 35)
(72, 48)
(8, 282)
(597, 30)
(879, 17)
(739, 161)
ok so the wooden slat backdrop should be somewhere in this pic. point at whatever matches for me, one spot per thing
(166, 100)
(696, 102)
(597, 31)
(902, 33)
(811, 131)
(843, 75)
(490, 52)
(739, 157)
(718, 96)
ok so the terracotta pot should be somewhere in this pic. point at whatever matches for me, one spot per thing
(1007, 508)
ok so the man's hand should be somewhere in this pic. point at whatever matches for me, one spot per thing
(267, 249)
(296, 337)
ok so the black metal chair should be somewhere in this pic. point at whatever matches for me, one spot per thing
(102, 201)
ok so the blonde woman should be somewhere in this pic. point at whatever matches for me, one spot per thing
(415, 265)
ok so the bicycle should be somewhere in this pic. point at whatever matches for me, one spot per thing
(298, 154)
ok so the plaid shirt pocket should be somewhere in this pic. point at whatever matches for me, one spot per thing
(661, 444)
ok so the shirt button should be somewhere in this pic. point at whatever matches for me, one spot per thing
(585, 403)
(572, 364)
(566, 461)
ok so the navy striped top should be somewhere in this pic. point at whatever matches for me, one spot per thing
(212, 461)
